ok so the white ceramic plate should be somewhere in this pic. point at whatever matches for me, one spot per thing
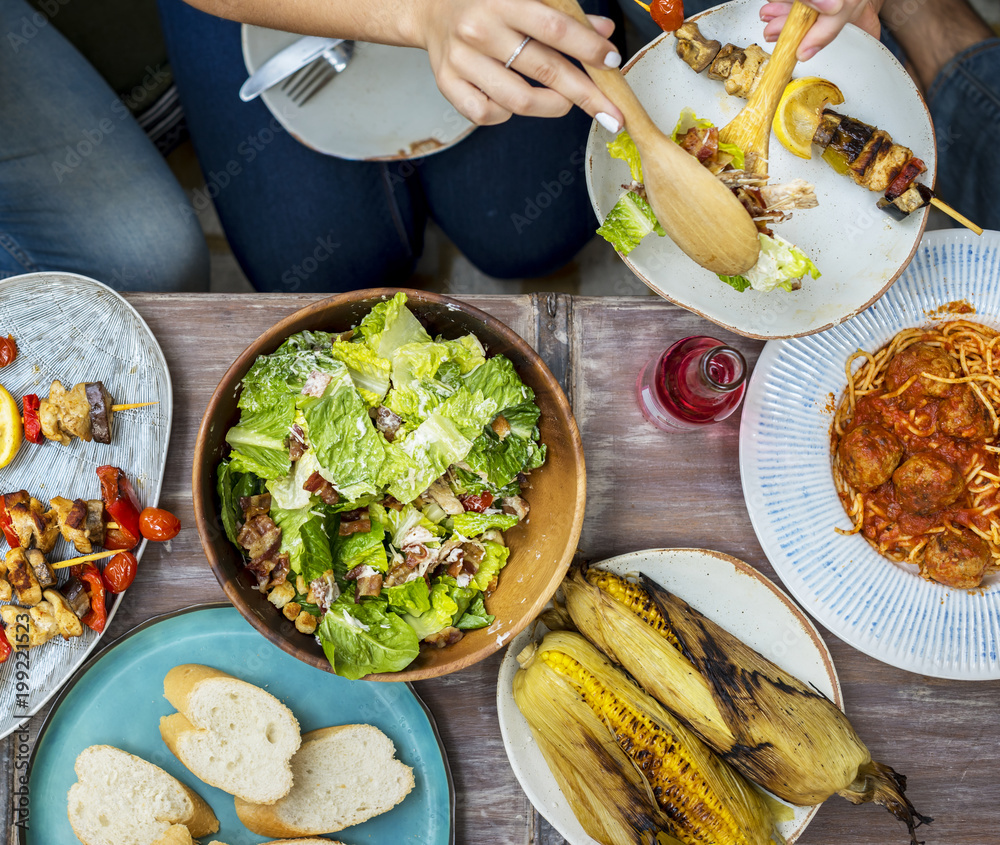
(882, 608)
(75, 329)
(726, 590)
(384, 106)
(859, 249)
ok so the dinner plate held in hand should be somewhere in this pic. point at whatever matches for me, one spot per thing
(729, 592)
(118, 700)
(859, 249)
(880, 607)
(385, 106)
(75, 329)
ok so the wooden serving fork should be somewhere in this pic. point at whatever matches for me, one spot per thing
(750, 130)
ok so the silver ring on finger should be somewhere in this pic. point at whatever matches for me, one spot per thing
(517, 52)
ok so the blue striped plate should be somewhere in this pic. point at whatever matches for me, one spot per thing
(882, 608)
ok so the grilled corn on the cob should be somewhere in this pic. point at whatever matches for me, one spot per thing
(774, 729)
(612, 748)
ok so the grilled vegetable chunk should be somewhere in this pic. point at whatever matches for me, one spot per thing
(774, 729)
(611, 746)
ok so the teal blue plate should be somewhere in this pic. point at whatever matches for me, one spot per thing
(117, 699)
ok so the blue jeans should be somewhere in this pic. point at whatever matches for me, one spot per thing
(82, 189)
(513, 197)
(964, 101)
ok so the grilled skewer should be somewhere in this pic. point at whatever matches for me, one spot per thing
(865, 153)
(85, 411)
(81, 522)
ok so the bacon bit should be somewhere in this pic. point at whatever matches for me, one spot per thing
(392, 503)
(355, 526)
(296, 443)
(318, 485)
(388, 422)
(255, 505)
(477, 502)
(368, 580)
(703, 144)
(349, 516)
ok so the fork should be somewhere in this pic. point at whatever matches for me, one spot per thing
(304, 83)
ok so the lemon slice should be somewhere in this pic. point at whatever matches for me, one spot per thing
(10, 427)
(800, 111)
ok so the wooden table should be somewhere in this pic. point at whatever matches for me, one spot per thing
(645, 489)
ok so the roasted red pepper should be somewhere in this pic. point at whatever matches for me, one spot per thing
(32, 425)
(122, 507)
(5, 525)
(5, 647)
(97, 616)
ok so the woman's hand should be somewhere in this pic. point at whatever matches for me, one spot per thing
(470, 40)
(834, 16)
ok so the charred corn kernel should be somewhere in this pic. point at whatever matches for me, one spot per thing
(567, 689)
(635, 599)
(699, 815)
(770, 726)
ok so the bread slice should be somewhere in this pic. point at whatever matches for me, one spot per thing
(176, 834)
(230, 733)
(121, 799)
(343, 776)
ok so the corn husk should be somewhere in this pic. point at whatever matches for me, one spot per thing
(772, 728)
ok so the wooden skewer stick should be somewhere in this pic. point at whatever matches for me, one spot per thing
(642, 4)
(132, 405)
(961, 218)
(86, 558)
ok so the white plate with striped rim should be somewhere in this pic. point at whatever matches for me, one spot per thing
(882, 608)
(75, 329)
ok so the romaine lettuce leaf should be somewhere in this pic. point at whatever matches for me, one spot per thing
(629, 222)
(470, 523)
(412, 597)
(623, 147)
(343, 437)
(286, 370)
(494, 559)
(448, 602)
(475, 615)
(424, 454)
(304, 537)
(369, 373)
(259, 440)
(231, 486)
(363, 547)
(498, 380)
(402, 522)
(287, 492)
(523, 420)
(469, 410)
(780, 263)
(739, 283)
(502, 460)
(389, 325)
(359, 639)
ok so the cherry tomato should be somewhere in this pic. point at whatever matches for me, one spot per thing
(158, 524)
(8, 350)
(667, 14)
(120, 572)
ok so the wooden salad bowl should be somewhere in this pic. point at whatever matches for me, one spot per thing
(541, 547)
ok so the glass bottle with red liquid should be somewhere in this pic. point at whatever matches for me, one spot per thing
(696, 382)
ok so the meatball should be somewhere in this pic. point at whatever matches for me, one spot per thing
(921, 358)
(868, 455)
(955, 559)
(925, 483)
(961, 414)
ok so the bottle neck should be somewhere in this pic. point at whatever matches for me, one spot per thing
(722, 369)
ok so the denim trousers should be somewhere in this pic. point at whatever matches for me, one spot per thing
(512, 198)
(82, 189)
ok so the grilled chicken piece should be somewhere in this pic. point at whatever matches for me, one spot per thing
(33, 526)
(739, 68)
(80, 522)
(795, 194)
(885, 166)
(694, 48)
(66, 620)
(441, 493)
(65, 413)
(29, 627)
(21, 575)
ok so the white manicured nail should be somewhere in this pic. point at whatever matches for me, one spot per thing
(612, 59)
(607, 121)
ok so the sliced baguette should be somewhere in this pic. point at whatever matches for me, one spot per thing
(121, 799)
(177, 834)
(229, 733)
(343, 776)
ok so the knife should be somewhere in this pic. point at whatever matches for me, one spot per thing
(283, 64)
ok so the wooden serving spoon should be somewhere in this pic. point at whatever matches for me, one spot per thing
(750, 130)
(698, 212)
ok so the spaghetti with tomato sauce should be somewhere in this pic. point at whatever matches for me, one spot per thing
(914, 450)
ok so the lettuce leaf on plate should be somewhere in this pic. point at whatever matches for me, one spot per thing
(629, 222)
(780, 263)
(623, 148)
